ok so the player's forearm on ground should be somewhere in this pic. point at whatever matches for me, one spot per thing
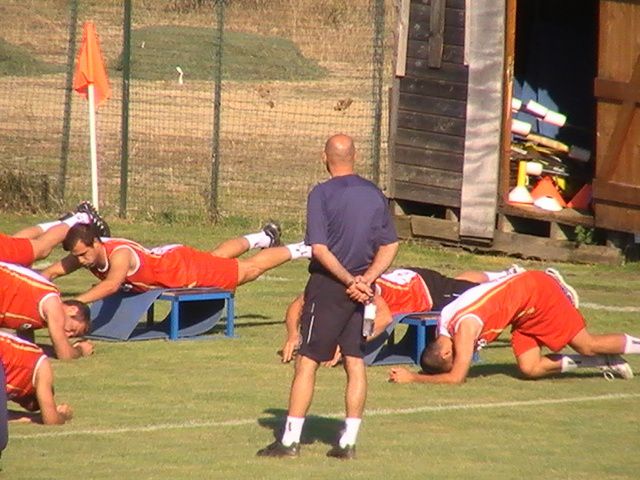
(99, 291)
(65, 351)
(381, 262)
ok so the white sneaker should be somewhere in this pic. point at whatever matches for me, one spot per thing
(616, 365)
(568, 290)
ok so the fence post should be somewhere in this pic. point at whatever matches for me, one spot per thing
(126, 80)
(68, 92)
(378, 67)
(217, 97)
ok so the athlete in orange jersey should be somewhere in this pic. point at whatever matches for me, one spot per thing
(121, 263)
(29, 301)
(37, 242)
(402, 290)
(29, 380)
(540, 309)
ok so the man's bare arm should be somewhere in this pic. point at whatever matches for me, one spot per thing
(292, 321)
(119, 265)
(464, 344)
(51, 413)
(329, 261)
(67, 265)
(381, 262)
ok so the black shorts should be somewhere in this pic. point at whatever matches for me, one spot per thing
(330, 318)
(443, 289)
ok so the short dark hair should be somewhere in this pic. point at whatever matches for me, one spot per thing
(84, 313)
(81, 232)
(431, 360)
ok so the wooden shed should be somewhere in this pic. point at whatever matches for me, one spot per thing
(459, 64)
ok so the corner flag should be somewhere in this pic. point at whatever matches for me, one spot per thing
(90, 79)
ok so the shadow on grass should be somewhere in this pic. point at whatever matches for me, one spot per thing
(316, 429)
(511, 370)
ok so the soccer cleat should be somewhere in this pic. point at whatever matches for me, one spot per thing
(568, 290)
(344, 453)
(273, 231)
(277, 449)
(96, 219)
(617, 365)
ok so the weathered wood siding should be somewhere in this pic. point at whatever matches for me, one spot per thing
(429, 139)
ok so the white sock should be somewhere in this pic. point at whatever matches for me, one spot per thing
(571, 362)
(491, 276)
(258, 240)
(351, 427)
(292, 431)
(49, 225)
(632, 344)
(76, 218)
(299, 250)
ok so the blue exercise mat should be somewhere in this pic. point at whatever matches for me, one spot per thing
(122, 316)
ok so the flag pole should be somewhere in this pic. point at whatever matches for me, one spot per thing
(93, 145)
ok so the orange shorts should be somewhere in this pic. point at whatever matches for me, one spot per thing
(16, 250)
(559, 324)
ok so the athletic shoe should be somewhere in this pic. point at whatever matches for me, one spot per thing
(64, 216)
(273, 231)
(277, 449)
(568, 290)
(617, 365)
(515, 269)
(344, 453)
(96, 219)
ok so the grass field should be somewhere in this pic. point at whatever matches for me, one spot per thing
(201, 409)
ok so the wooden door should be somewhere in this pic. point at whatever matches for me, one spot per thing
(616, 186)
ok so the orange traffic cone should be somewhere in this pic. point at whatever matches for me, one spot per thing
(582, 199)
(546, 188)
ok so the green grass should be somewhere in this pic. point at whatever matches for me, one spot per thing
(157, 51)
(201, 409)
(18, 61)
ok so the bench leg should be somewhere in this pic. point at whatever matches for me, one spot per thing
(421, 340)
(230, 316)
(174, 320)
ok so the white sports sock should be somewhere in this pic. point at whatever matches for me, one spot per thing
(571, 362)
(491, 276)
(351, 427)
(49, 225)
(299, 250)
(258, 240)
(76, 218)
(632, 344)
(292, 431)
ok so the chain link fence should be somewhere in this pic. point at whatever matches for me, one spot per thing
(218, 107)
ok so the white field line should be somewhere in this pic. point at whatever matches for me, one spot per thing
(609, 308)
(369, 413)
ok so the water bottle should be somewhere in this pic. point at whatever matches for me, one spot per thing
(368, 318)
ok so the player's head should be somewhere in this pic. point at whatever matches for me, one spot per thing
(83, 242)
(438, 356)
(339, 153)
(77, 318)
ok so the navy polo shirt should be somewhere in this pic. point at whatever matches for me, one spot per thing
(349, 215)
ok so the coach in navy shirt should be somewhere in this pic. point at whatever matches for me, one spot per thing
(353, 239)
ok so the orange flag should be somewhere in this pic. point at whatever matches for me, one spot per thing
(90, 66)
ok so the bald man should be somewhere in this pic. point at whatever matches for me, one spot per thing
(353, 240)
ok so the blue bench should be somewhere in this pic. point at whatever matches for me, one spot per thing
(180, 296)
(193, 312)
(384, 350)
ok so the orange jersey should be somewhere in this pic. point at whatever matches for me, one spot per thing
(404, 291)
(16, 250)
(22, 295)
(171, 266)
(531, 303)
(20, 360)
